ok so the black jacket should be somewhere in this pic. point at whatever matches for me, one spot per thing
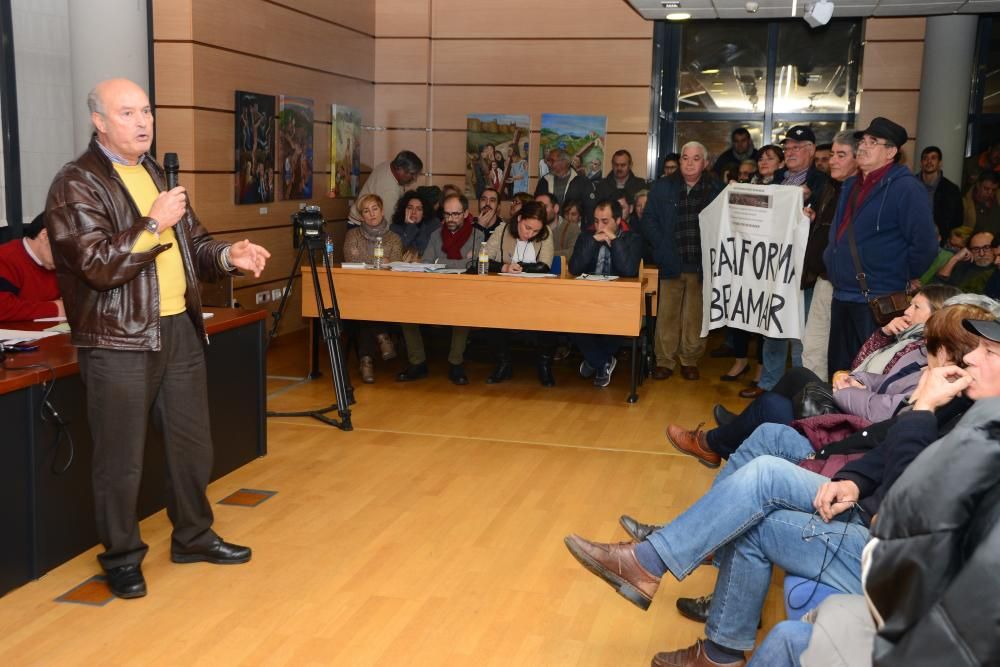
(933, 577)
(948, 212)
(825, 207)
(626, 253)
(608, 186)
(580, 188)
(729, 161)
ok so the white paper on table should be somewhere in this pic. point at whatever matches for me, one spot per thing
(354, 265)
(50, 319)
(525, 274)
(416, 267)
(207, 316)
(596, 277)
(13, 336)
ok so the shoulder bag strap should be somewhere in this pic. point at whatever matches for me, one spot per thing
(860, 275)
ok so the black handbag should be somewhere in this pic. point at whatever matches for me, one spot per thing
(816, 398)
(884, 308)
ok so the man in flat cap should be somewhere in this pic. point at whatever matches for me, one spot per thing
(887, 209)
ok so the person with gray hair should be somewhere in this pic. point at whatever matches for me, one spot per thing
(815, 338)
(389, 181)
(670, 225)
(565, 184)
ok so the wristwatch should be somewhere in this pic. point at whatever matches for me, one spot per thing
(152, 226)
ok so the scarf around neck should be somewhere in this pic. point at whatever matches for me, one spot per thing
(373, 234)
(452, 242)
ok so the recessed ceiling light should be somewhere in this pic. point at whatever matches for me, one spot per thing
(678, 16)
(709, 71)
(671, 4)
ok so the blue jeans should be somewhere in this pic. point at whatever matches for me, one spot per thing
(777, 440)
(768, 408)
(783, 645)
(776, 352)
(596, 349)
(759, 516)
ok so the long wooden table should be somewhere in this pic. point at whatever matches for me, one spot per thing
(46, 498)
(565, 305)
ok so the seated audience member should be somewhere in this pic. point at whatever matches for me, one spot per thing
(957, 240)
(450, 245)
(639, 208)
(945, 197)
(874, 396)
(28, 288)
(562, 231)
(620, 177)
(524, 245)
(981, 211)
(488, 220)
(671, 163)
(414, 222)
(572, 213)
(519, 200)
(359, 246)
(765, 512)
(970, 268)
(992, 289)
(930, 587)
(626, 203)
(565, 183)
(610, 251)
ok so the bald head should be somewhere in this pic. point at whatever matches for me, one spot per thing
(122, 116)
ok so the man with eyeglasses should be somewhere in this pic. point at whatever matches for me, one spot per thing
(971, 268)
(886, 210)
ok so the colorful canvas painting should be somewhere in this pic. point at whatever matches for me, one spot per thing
(496, 153)
(345, 151)
(582, 137)
(295, 143)
(254, 148)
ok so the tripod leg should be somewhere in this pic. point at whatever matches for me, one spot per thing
(314, 351)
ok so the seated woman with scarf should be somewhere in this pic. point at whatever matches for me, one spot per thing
(450, 245)
(359, 246)
(871, 396)
(414, 221)
(523, 245)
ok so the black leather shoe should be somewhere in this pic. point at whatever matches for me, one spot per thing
(456, 373)
(220, 553)
(126, 581)
(637, 531)
(503, 371)
(695, 608)
(413, 372)
(545, 371)
(722, 416)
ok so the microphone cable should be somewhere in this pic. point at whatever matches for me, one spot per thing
(48, 414)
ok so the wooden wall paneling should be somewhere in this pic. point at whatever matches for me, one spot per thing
(273, 31)
(527, 61)
(174, 71)
(172, 19)
(565, 18)
(900, 106)
(879, 29)
(203, 140)
(214, 195)
(892, 65)
(357, 15)
(401, 106)
(402, 60)
(627, 109)
(221, 73)
(396, 18)
(389, 142)
(291, 320)
(175, 130)
(278, 241)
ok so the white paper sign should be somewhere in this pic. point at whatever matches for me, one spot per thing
(753, 243)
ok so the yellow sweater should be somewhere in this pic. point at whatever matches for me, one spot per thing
(169, 267)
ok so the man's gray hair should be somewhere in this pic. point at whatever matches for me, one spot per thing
(696, 144)
(846, 138)
(991, 306)
(560, 154)
(94, 102)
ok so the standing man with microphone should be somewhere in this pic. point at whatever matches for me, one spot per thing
(129, 253)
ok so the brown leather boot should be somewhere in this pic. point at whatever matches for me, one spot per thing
(386, 347)
(367, 370)
(693, 443)
(617, 565)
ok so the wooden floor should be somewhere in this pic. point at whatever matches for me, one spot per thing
(430, 535)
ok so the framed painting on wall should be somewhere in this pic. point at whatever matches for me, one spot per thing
(496, 153)
(295, 147)
(254, 148)
(345, 151)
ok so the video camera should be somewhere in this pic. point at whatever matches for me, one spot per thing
(307, 223)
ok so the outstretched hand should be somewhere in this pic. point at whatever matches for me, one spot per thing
(248, 257)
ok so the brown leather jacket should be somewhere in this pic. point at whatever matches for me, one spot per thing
(111, 295)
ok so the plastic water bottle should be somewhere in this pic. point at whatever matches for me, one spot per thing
(378, 254)
(484, 259)
(328, 249)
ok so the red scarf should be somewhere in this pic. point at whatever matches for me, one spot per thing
(862, 188)
(452, 242)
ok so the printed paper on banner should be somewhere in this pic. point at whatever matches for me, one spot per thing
(753, 243)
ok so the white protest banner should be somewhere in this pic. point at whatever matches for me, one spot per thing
(753, 242)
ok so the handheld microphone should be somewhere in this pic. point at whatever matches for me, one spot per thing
(172, 166)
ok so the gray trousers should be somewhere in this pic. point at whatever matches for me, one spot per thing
(124, 390)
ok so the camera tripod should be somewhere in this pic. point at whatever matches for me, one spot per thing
(311, 242)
